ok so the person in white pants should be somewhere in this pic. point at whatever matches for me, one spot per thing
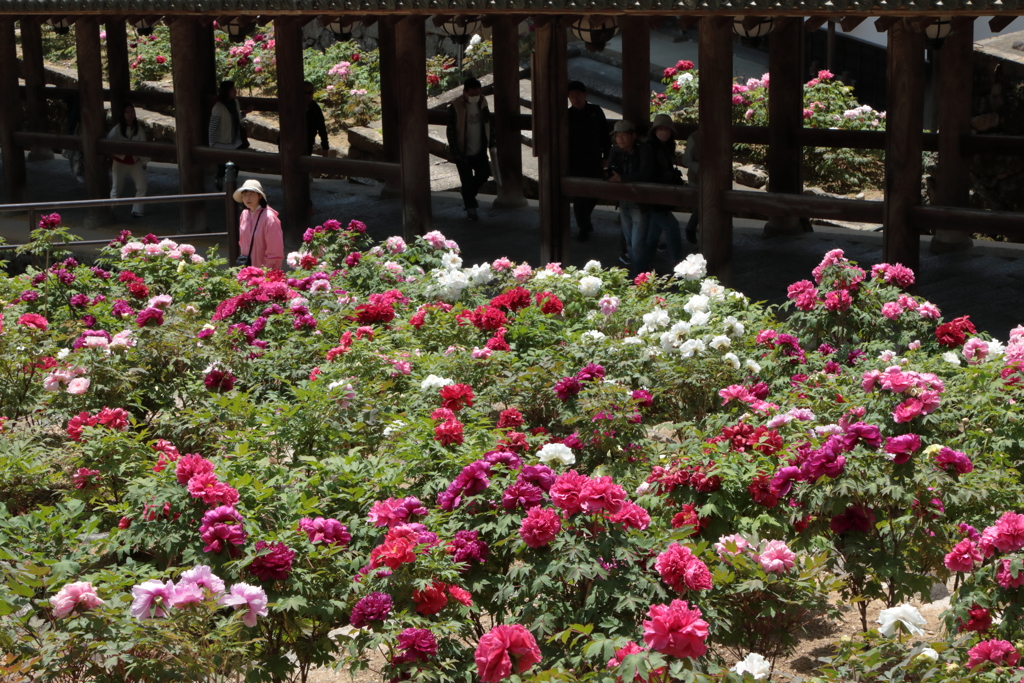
(125, 164)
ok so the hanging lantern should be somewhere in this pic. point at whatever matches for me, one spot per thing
(459, 29)
(751, 29)
(936, 32)
(144, 26)
(342, 28)
(238, 28)
(595, 31)
(60, 26)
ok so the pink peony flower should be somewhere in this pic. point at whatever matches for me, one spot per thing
(33, 321)
(203, 576)
(963, 556)
(892, 310)
(251, 599)
(681, 570)
(776, 557)
(212, 491)
(505, 649)
(602, 494)
(74, 595)
(566, 492)
(539, 527)
(730, 545)
(221, 528)
(329, 531)
(902, 447)
(632, 516)
(78, 386)
(1007, 578)
(950, 460)
(676, 630)
(416, 644)
(999, 652)
(1009, 533)
(151, 599)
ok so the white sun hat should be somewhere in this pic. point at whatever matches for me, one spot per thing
(249, 185)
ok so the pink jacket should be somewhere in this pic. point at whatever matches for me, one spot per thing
(268, 251)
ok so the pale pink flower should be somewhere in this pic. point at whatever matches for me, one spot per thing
(435, 239)
(730, 545)
(252, 599)
(776, 557)
(501, 264)
(554, 267)
(975, 349)
(480, 354)
(72, 595)
(151, 598)
(78, 386)
(609, 304)
(928, 310)
(187, 593)
(522, 272)
(161, 301)
(53, 382)
(203, 576)
(914, 345)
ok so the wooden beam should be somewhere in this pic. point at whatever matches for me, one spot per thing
(642, 193)
(771, 204)
(997, 24)
(93, 116)
(715, 103)
(636, 70)
(550, 138)
(188, 117)
(292, 113)
(968, 221)
(687, 22)
(118, 74)
(1006, 145)
(505, 55)
(411, 97)
(904, 124)
(785, 117)
(380, 170)
(11, 120)
(882, 24)
(814, 23)
(654, 23)
(35, 80)
(850, 23)
(389, 101)
(953, 178)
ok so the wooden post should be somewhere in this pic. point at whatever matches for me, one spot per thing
(292, 113)
(10, 114)
(118, 74)
(188, 117)
(231, 211)
(636, 70)
(903, 142)
(35, 79)
(550, 138)
(388, 99)
(785, 118)
(94, 117)
(505, 39)
(411, 97)
(207, 71)
(953, 180)
(715, 55)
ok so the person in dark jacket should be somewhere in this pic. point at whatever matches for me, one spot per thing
(657, 165)
(624, 166)
(589, 146)
(315, 125)
(470, 135)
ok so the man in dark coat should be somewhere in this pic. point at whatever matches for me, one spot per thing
(315, 125)
(470, 135)
(589, 145)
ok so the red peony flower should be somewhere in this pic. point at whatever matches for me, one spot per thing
(567, 492)
(979, 620)
(505, 649)
(454, 397)
(602, 493)
(461, 595)
(549, 303)
(510, 418)
(275, 565)
(431, 599)
(33, 321)
(539, 527)
(449, 432)
(682, 570)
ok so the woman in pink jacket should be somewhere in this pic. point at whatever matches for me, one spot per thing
(259, 229)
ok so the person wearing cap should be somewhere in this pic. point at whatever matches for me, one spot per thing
(657, 165)
(470, 135)
(259, 228)
(589, 146)
(624, 166)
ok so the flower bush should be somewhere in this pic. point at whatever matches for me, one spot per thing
(492, 470)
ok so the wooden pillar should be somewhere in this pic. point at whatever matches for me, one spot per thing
(953, 180)
(505, 39)
(188, 117)
(10, 114)
(118, 74)
(715, 114)
(206, 65)
(94, 119)
(903, 142)
(411, 97)
(389, 119)
(636, 70)
(785, 118)
(292, 113)
(550, 137)
(35, 80)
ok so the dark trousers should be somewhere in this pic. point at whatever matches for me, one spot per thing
(582, 207)
(473, 173)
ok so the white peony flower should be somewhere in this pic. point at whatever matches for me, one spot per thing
(700, 317)
(691, 347)
(557, 452)
(734, 327)
(448, 284)
(905, 614)
(592, 266)
(697, 302)
(733, 360)
(753, 366)
(755, 665)
(595, 335)
(632, 340)
(590, 286)
(393, 427)
(643, 488)
(693, 267)
(652, 352)
(720, 343)
(670, 340)
(64, 353)
(929, 653)
(951, 357)
(434, 382)
(451, 260)
(652, 321)
(480, 274)
(712, 290)
(684, 77)
(996, 348)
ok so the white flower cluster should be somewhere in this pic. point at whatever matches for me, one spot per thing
(557, 452)
(591, 286)
(693, 267)
(167, 248)
(694, 337)
(449, 281)
(434, 382)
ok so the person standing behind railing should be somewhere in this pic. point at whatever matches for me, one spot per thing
(657, 165)
(129, 130)
(691, 160)
(260, 239)
(624, 166)
(226, 130)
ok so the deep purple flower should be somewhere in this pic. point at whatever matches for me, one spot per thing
(219, 380)
(275, 565)
(538, 475)
(864, 433)
(374, 607)
(567, 387)
(590, 372)
(79, 300)
(122, 309)
(304, 322)
(29, 295)
(100, 273)
(417, 644)
(466, 547)
(473, 478)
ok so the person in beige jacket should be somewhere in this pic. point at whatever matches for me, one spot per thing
(226, 130)
(470, 135)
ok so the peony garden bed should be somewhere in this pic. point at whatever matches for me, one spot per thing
(394, 465)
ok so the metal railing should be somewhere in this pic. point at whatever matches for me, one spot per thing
(35, 209)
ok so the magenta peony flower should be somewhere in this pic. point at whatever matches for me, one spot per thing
(219, 380)
(950, 460)
(417, 644)
(602, 494)
(374, 607)
(505, 649)
(252, 599)
(75, 595)
(676, 630)
(963, 556)
(1008, 536)
(468, 547)
(212, 491)
(151, 599)
(902, 447)
(1007, 578)
(567, 387)
(521, 495)
(275, 565)
(999, 652)
(150, 317)
(682, 570)
(85, 478)
(776, 557)
(632, 516)
(539, 527)
(567, 491)
(329, 531)
(541, 476)
(221, 529)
